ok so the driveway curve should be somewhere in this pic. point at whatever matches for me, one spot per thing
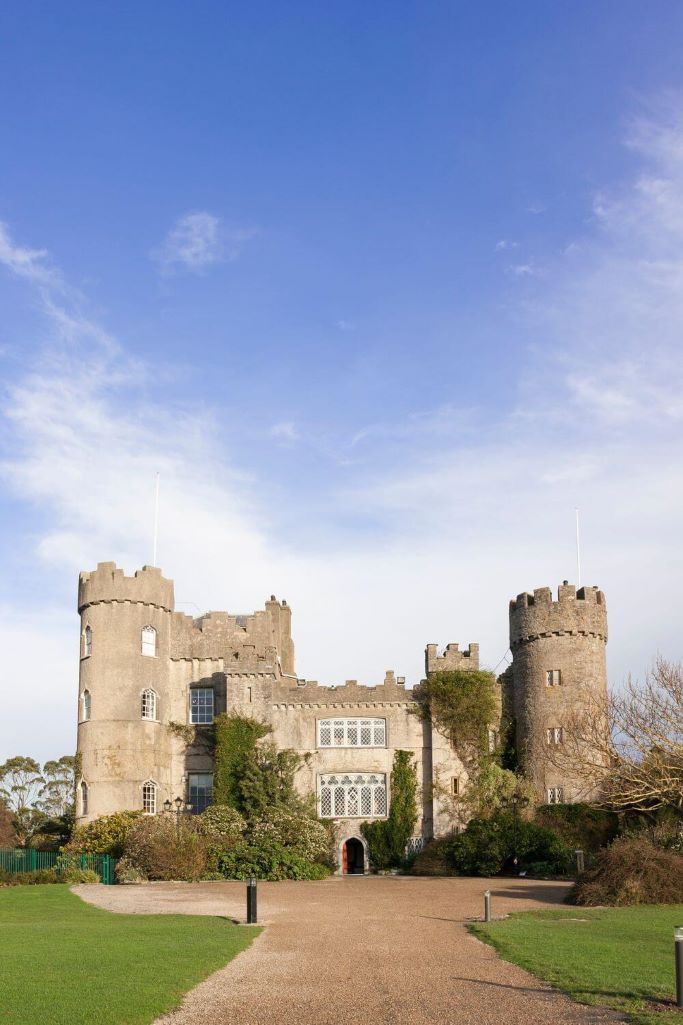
(388, 950)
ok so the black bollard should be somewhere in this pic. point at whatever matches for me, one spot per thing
(251, 902)
(678, 950)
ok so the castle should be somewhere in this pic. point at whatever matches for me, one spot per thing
(147, 670)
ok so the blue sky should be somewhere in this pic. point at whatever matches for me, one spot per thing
(382, 291)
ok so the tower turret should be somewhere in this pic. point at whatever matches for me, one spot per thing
(558, 660)
(124, 690)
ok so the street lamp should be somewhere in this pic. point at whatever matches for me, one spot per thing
(514, 801)
(181, 808)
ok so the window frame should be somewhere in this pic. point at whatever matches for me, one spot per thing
(555, 795)
(350, 801)
(195, 809)
(350, 726)
(149, 786)
(554, 736)
(147, 692)
(148, 630)
(86, 705)
(87, 641)
(553, 677)
(85, 797)
(203, 721)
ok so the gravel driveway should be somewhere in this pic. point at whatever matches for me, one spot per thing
(361, 951)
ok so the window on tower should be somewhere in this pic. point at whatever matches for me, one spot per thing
(555, 795)
(554, 677)
(87, 642)
(149, 641)
(149, 704)
(84, 797)
(554, 736)
(86, 705)
(149, 797)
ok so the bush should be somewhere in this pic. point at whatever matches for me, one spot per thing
(106, 835)
(40, 876)
(223, 828)
(434, 859)
(633, 870)
(269, 860)
(126, 872)
(580, 826)
(488, 846)
(387, 838)
(297, 831)
(158, 849)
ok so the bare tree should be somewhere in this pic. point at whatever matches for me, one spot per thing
(628, 749)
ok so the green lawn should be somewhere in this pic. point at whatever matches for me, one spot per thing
(619, 957)
(63, 962)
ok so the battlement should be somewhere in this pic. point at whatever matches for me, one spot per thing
(452, 659)
(264, 635)
(310, 692)
(108, 583)
(582, 611)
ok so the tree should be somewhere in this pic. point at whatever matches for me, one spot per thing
(56, 796)
(20, 784)
(628, 749)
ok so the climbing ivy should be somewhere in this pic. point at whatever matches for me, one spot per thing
(387, 838)
(462, 706)
(235, 740)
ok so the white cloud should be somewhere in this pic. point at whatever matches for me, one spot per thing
(505, 244)
(285, 432)
(199, 239)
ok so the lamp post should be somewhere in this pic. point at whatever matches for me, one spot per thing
(678, 951)
(514, 801)
(181, 808)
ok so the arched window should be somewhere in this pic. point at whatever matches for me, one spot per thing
(86, 705)
(149, 704)
(149, 798)
(87, 642)
(84, 797)
(149, 641)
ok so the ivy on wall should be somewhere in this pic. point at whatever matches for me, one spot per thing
(462, 705)
(235, 740)
(387, 838)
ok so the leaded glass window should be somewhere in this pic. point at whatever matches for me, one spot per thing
(352, 733)
(87, 705)
(149, 798)
(352, 795)
(555, 795)
(200, 791)
(148, 641)
(149, 704)
(201, 705)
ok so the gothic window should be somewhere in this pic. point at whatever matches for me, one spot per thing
(87, 642)
(200, 791)
(555, 795)
(554, 677)
(201, 705)
(149, 641)
(352, 795)
(352, 733)
(84, 797)
(554, 735)
(86, 705)
(149, 704)
(149, 798)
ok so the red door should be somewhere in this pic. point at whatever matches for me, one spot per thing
(345, 860)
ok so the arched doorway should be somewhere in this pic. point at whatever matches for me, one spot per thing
(353, 857)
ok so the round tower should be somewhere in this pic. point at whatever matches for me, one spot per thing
(124, 746)
(558, 661)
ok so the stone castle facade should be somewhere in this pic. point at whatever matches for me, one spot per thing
(146, 670)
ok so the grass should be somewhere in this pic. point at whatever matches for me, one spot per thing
(621, 958)
(64, 962)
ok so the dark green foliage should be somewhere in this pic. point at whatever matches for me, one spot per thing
(462, 705)
(488, 847)
(434, 859)
(632, 870)
(235, 745)
(581, 826)
(105, 835)
(269, 859)
(267, 782)
(509, 755)
(387, 838)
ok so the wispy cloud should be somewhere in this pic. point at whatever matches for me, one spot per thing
(199, 239)
(285, 432)
(505, 243)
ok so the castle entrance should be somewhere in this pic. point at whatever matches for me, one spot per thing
(353, 857)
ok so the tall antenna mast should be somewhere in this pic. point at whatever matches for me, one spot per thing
(578, 551)
(156, 519)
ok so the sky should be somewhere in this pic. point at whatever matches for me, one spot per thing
(383, 292)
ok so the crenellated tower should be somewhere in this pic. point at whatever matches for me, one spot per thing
(124, 688)
(558, 662)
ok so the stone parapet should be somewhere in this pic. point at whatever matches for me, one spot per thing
(452, 659)
(108, 583)
(582, 612)
(310, 692)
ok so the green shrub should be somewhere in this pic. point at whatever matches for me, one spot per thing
(224, 829)
(633, 870)
(270, 860)
(105, 835)
(434, 859)
(481, 850)
(580, 826)
(295, 830)
(488, 846)
(160, 848)
(387, 838)
(236, 737)
(126, 872)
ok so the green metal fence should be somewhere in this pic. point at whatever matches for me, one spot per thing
(27, 860)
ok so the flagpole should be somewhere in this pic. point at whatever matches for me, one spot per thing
(578, 551)
(156, 519)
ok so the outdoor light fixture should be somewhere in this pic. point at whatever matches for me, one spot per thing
(167, 805)
(179, 803)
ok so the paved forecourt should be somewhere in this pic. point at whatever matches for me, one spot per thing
(361, 950)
